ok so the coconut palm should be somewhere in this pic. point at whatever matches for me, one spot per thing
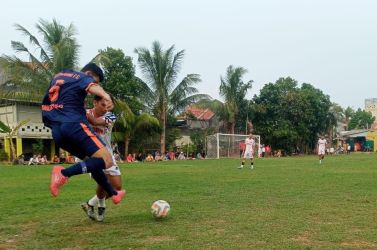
(56, 49)
(160, 70)
(129, 123)
(233, 90)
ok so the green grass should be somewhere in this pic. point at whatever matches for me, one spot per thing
(284, 203)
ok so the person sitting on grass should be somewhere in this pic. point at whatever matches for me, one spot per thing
(33, 160)
(130, 159)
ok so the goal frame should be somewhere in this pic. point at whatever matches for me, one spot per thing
(217, 154)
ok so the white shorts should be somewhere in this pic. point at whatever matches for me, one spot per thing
(248, 154)
(321, 151)
(114, 171)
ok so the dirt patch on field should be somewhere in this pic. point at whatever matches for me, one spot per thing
(14, 241)
(160, 238)
(304, 238)
(359, 244)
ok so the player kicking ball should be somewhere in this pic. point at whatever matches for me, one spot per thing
(102, 120)
(63, 111)
(321, 148)
(249, 151)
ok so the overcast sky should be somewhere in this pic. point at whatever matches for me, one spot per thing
(331, 44)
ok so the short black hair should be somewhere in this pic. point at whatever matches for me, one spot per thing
(99, 98)
(92, 67)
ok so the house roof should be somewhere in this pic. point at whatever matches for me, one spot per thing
(355, 133)
(9, 101)
(200, 114)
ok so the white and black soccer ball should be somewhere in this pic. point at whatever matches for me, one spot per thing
(160, 209)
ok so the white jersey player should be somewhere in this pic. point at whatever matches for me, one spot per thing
(102, 121)
(321, 148)
(249, 151)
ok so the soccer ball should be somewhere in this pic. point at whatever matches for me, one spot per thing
(160, 209)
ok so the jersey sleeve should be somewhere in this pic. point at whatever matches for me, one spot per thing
(86, 83)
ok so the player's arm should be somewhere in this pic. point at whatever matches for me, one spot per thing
(96, 121)
(96, 89)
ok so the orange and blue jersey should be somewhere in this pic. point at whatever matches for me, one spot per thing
(64, 99)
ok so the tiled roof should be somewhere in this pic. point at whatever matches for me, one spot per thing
(200, 114)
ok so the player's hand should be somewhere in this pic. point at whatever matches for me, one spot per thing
(108, 103)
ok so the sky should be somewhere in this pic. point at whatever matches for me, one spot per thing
(331, 44)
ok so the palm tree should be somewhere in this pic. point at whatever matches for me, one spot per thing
(160, 69)
(233, 90)
(348, 114)
(130, 124)
(57, 49)
(334, 116)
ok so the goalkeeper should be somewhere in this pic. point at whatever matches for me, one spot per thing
(102, 120)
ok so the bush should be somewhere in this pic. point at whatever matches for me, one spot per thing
(3, 155)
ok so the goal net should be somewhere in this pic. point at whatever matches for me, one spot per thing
(228, 145)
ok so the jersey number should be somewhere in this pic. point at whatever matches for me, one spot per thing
(53, 93)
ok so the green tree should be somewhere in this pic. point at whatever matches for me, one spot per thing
(120, 78)
(361, 119)
(56, 49)
(160, 69)
(335, 116)
(348, 113)
(291, 118)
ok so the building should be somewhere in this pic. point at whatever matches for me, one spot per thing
(12, 112)
(371, 106)
(364, 140)
(195, 118)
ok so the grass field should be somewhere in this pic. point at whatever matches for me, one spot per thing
(284, 203)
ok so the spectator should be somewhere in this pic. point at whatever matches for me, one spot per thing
(33, 160)
(167, 156)
(21, 160)
(43, 160)
(242, 146)
(268, 150)
(62, 158)
(129, 158)
(157, 156)
(149, 158)
(199, 156)
(263, 151)
(56, 159)
(140, 157)
(171, 155)
(278, 154)
(117, 157)
(181, 156)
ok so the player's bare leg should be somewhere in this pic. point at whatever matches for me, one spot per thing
(100, 197)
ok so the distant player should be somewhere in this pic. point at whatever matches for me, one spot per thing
(321, 148)
(102, 121)
(249, 151)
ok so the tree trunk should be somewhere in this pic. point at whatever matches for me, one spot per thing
(232, 126)
(126, 143)
(12, 150)
(163, 132)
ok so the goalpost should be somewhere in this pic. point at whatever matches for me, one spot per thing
(227, 145)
